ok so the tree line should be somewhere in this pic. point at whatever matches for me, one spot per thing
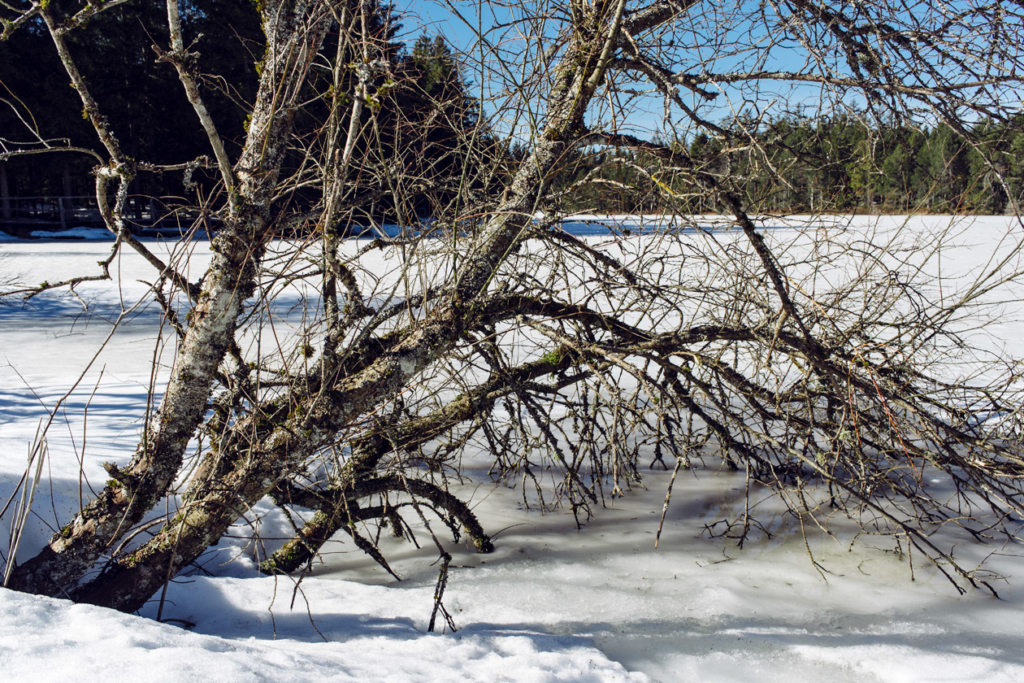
(420, 96)
(799, 164)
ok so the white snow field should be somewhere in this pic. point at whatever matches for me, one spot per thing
(553, 603)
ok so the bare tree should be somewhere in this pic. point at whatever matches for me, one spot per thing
(817, 369)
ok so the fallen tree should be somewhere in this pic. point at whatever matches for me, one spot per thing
(819, 369)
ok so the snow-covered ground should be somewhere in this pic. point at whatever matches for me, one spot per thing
(553, 603)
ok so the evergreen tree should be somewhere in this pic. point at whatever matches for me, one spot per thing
(437, 123)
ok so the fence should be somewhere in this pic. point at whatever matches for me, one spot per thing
(69, 211)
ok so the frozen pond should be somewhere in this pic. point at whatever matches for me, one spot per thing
(553, 603)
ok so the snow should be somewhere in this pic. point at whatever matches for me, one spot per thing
(81, 642)
(552, 603)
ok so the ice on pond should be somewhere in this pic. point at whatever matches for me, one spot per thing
(553, 603)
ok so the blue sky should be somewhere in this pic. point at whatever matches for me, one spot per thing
(646, 113)
(761, 43)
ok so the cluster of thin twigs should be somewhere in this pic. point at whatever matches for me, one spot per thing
(348, 380)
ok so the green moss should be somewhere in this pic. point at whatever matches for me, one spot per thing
(552, 357)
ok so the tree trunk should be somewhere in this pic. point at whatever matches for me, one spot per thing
(68, 201)
(5, 197)
(212, 505)
(292, 42)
